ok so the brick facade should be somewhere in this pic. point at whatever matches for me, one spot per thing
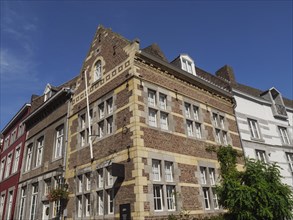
(126, 77)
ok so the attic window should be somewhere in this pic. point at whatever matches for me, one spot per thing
(187, 64)
(98, 71)
(47, 93)
(279, 108)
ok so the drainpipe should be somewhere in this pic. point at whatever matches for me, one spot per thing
(88, 115)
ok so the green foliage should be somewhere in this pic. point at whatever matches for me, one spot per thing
(58, 194)
(255, 193)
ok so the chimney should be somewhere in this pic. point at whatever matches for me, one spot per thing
(226, 72)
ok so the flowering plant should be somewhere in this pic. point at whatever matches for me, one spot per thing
(58, 194)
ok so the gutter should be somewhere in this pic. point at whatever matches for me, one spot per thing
(18, 114)
(45, 104)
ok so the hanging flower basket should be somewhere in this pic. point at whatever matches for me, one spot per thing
(58, 194)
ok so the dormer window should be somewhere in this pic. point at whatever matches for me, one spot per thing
(187, 64)
(98, 71)
(278, 107)
(47, 92)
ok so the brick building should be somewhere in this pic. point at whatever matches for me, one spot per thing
(265, 120)
(11, 154)
(139, 150)
(44, 153)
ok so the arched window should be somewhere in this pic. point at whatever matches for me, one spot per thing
(98, 71)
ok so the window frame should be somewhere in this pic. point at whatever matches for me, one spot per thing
(261, 155)
(59, 141)
(254, 128)
(284, 135)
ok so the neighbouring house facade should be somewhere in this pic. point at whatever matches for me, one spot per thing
(11, 154)
(265, 121)
(138, 129)
(44, 152)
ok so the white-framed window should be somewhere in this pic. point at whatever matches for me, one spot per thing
(189, 125)
(158, 197)
(196, 113)
(100, 203)
(225, 139)
(82, 138)
(8, 165)
(203, 175)
(197, 130)
(47, 186)
(158, 112)
(79, 206)
(290, 160)
(105, 191)
(284, 135)
(152, 117)
(109, 106)
(206, 196)
(20, 129)
(208, 182)
(106, 118)
(98, 70)
(187, 110)
(6, 142)
(34, 198)
(100, 178)
(22, 203)
(2, 202)
(254, 130)
(261, 155)
(164, 120)
(59, 141)
(16, 160)
(164, 187)
(215, 199)
(79, 183)
(156, 169)
(222, 122)
(101, 129)
(151, 97)
(162, 101)
(212, 176)
(101, 108)
(88, 181)
(171, 203)
(110, 201)
(221, 133)
(2, 168)
(218, 136)
(82, 121)
(13, 136)
(193, 123)
(109, 176)
(87, 204)
(109, 125)
(215, 119)
(40, 147)
(169, 171)
(10, 198)
(186, 65)
(56, 208)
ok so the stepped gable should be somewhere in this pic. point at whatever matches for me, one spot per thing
(156, 51)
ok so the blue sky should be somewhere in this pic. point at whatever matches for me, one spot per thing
(46, 41)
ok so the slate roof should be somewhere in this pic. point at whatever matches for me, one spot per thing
(257, 92)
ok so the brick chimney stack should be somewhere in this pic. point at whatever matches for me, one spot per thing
(226, 72)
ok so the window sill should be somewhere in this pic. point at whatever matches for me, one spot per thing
(96, 82)
(257, 139)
